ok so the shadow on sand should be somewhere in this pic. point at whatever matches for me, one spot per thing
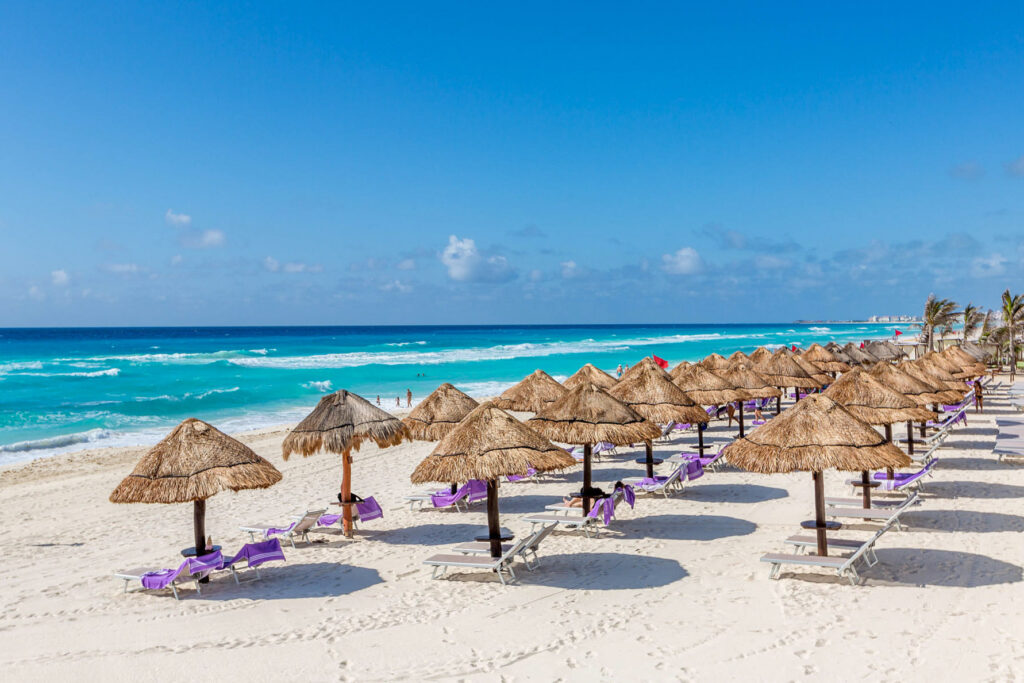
(683, 527)
(732, 493)
(284, 582)
(952, 568)
(979, 463)
(973, 489)
(962, 520)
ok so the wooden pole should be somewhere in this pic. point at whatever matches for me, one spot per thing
(888, 437)
(778, 403)
(865, 489)
(649, 447)
(586, 480)
(819, 513)
(493, 528)
(455, 488)
(700, 438)
(910, 437)
(199, 530)
(346, 493)
(739, 406)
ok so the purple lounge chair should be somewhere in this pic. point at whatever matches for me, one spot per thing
(530, 472)
(192, 569)
(606, 506)
(902, 480)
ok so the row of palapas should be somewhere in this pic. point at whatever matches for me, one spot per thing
(196, 461)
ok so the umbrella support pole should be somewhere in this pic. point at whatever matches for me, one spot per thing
(865, 489)
(700, 438)
(585, 493)
(199, 528)
(649, 448)
(493, 528)
(778, 402)
(819, 513)
(888, 437)
(739, 407)
(455, 489)
(346, 494)
(910, 437)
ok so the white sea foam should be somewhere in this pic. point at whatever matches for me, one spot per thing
(108, 372)
(212, 392)
(323, 386)
(56, 442)
(820, 329)
(17, 366)
(409, 343)
(473, 354)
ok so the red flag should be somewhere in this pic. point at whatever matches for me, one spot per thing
(793, 349)
(898, 333)
(662, 363)
(862, 345)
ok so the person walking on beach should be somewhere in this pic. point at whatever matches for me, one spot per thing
(618, 371)
(408, 398)
(398, 401)
(378, 399)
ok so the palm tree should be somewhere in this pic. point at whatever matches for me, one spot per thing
(939, 316)
(1012, 310)
(973, 319)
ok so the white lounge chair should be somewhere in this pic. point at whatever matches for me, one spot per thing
(844, 565)
(664, 486)
(136, 574)
(301, 527)
(498, 565)
(528, 551)
(888, 516)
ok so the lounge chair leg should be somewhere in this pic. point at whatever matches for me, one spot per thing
(774, 573)
(173, 590)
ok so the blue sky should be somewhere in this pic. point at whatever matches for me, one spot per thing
(331, 163)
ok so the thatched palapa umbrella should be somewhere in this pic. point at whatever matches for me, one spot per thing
(870, 401)
(437, 414)
(814, 435)
(532, 394)
(882, 350)
(683, 364)
(646, 364)
(975, 351)
(824, 359)
(955, 370)
(709, 389)
(760, 355)
(589, 415)
(963, 360)
(655, 397)
(859, 355)
(592, 374)
(340, 422)
(737, 357)
(753, 384)
(840, 354)
(812, 369)
(715, 361)
(489, 444)
(192, 463)
(917, 391)
(780, 370)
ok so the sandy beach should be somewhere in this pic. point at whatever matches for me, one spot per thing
(672, 589)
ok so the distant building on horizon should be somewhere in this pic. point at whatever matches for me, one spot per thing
(892, 319)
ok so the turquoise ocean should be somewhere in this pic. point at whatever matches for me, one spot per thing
(64, 389)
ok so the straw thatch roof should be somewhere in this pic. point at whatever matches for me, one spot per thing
(714, 362)
(869, 400)
(737, 357)
(194, 462)
(963, 360)
(646, 364)
(858, 355)
(938, 385)
(588, 415)
(917, 391)
(953, 380)
(760, 355)
(812, 369)
(655, 397)
(814, 435)
(589, 373)
(837, 351)
(975, 351)
(341, 422)
(437, 414)
(750, 382)
(781, 370)
(683, 364)
(954, 369)
(534, 392)
(708, 388)
(488, 444)
(824, 359)
(891, 351)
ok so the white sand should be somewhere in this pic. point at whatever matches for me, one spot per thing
(673, 590)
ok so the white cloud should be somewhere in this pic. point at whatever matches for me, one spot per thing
(396, 286)
(407, 264)
(685, 261)
(60, 278)
(985, 266)
(302, 267)
(122, 268)
(769, 262)
(569, 269)
(271, 264)
(466, 264)
(536, 275)
(211, 238)
(176, 260)
(177, 219)
(35, 293)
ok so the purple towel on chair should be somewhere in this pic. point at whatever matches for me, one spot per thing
(328, 520)
(204, 564)
(273, 531)
(605, 508)
(368, 509)
(162, 578)
(256, 554)
(628, 495)
(694, 470)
